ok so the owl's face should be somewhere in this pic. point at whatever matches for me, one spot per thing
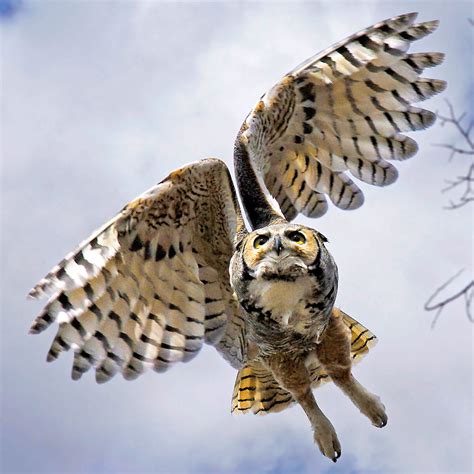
(281, 252)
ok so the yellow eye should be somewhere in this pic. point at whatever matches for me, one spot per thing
(297, 237)
(260, 240)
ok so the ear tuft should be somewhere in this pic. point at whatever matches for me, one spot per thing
(321, 236)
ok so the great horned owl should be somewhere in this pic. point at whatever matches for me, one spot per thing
(177, 266)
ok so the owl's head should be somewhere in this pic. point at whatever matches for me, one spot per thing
(281, 252)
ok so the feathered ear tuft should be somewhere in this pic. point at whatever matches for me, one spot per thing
(321, 237)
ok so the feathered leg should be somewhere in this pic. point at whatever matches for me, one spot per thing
(293, 376)
(334, 354)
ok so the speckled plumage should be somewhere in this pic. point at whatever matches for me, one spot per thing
(177, 266)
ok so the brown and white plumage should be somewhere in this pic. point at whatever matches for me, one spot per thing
(341, 114)
(153, 284)
(256, 389)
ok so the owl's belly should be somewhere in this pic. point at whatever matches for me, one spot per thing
(283, 315)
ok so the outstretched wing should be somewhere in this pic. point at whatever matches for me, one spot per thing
(150, 286)
(340, 111)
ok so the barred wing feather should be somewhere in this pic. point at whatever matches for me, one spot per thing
(341, 113)
(149, 287)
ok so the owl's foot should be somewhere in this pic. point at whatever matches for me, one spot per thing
(373, 408)
(369, 404)
(326, 438)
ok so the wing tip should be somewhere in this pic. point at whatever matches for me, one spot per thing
(33, 330)
(405, 18)
(76, 374)
(33, 294)
(101, 377)
(440, 85)
(38, 326)
(429, 118)
(356, 202)
(51, 356)
(438, 58)
(410, 16)
(390, 176)
(38, 291)
(430, 26)
(410, 148)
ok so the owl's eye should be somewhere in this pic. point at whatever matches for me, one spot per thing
(297, 237)
(260, 240)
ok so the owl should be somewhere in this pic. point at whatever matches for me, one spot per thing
(178, 266)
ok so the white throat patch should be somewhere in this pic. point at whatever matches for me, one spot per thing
(281, 298)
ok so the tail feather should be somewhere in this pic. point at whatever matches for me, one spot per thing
(257, 390)
(362, 340)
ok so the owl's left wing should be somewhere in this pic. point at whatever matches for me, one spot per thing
(341, 111)
(150, 286)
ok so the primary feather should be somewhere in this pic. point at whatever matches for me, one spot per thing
(151, 286)
(341, 113)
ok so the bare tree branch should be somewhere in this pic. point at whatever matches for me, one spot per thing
(465, 185)
(468, 194)
(467, 293)
(456, 121)
(466, 181)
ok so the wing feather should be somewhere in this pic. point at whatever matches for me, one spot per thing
(341, 112)
(152, 285)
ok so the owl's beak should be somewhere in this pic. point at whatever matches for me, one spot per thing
(278, 245)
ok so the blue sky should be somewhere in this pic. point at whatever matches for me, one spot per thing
(100, 100)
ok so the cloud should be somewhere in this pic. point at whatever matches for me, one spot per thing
(102, 100)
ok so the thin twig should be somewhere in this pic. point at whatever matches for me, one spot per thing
(467, 292)
(466, 180)
(454, 150)
(456, 121)
(468, 194)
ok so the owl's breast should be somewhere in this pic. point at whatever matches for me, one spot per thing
(285, 315)
(284, 300)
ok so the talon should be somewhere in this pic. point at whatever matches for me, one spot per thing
(374, 409)
(381, 422)
(326, 439)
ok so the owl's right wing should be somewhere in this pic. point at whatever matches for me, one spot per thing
(340, 113)
(150, 286)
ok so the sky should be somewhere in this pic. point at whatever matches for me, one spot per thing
(99, 101)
